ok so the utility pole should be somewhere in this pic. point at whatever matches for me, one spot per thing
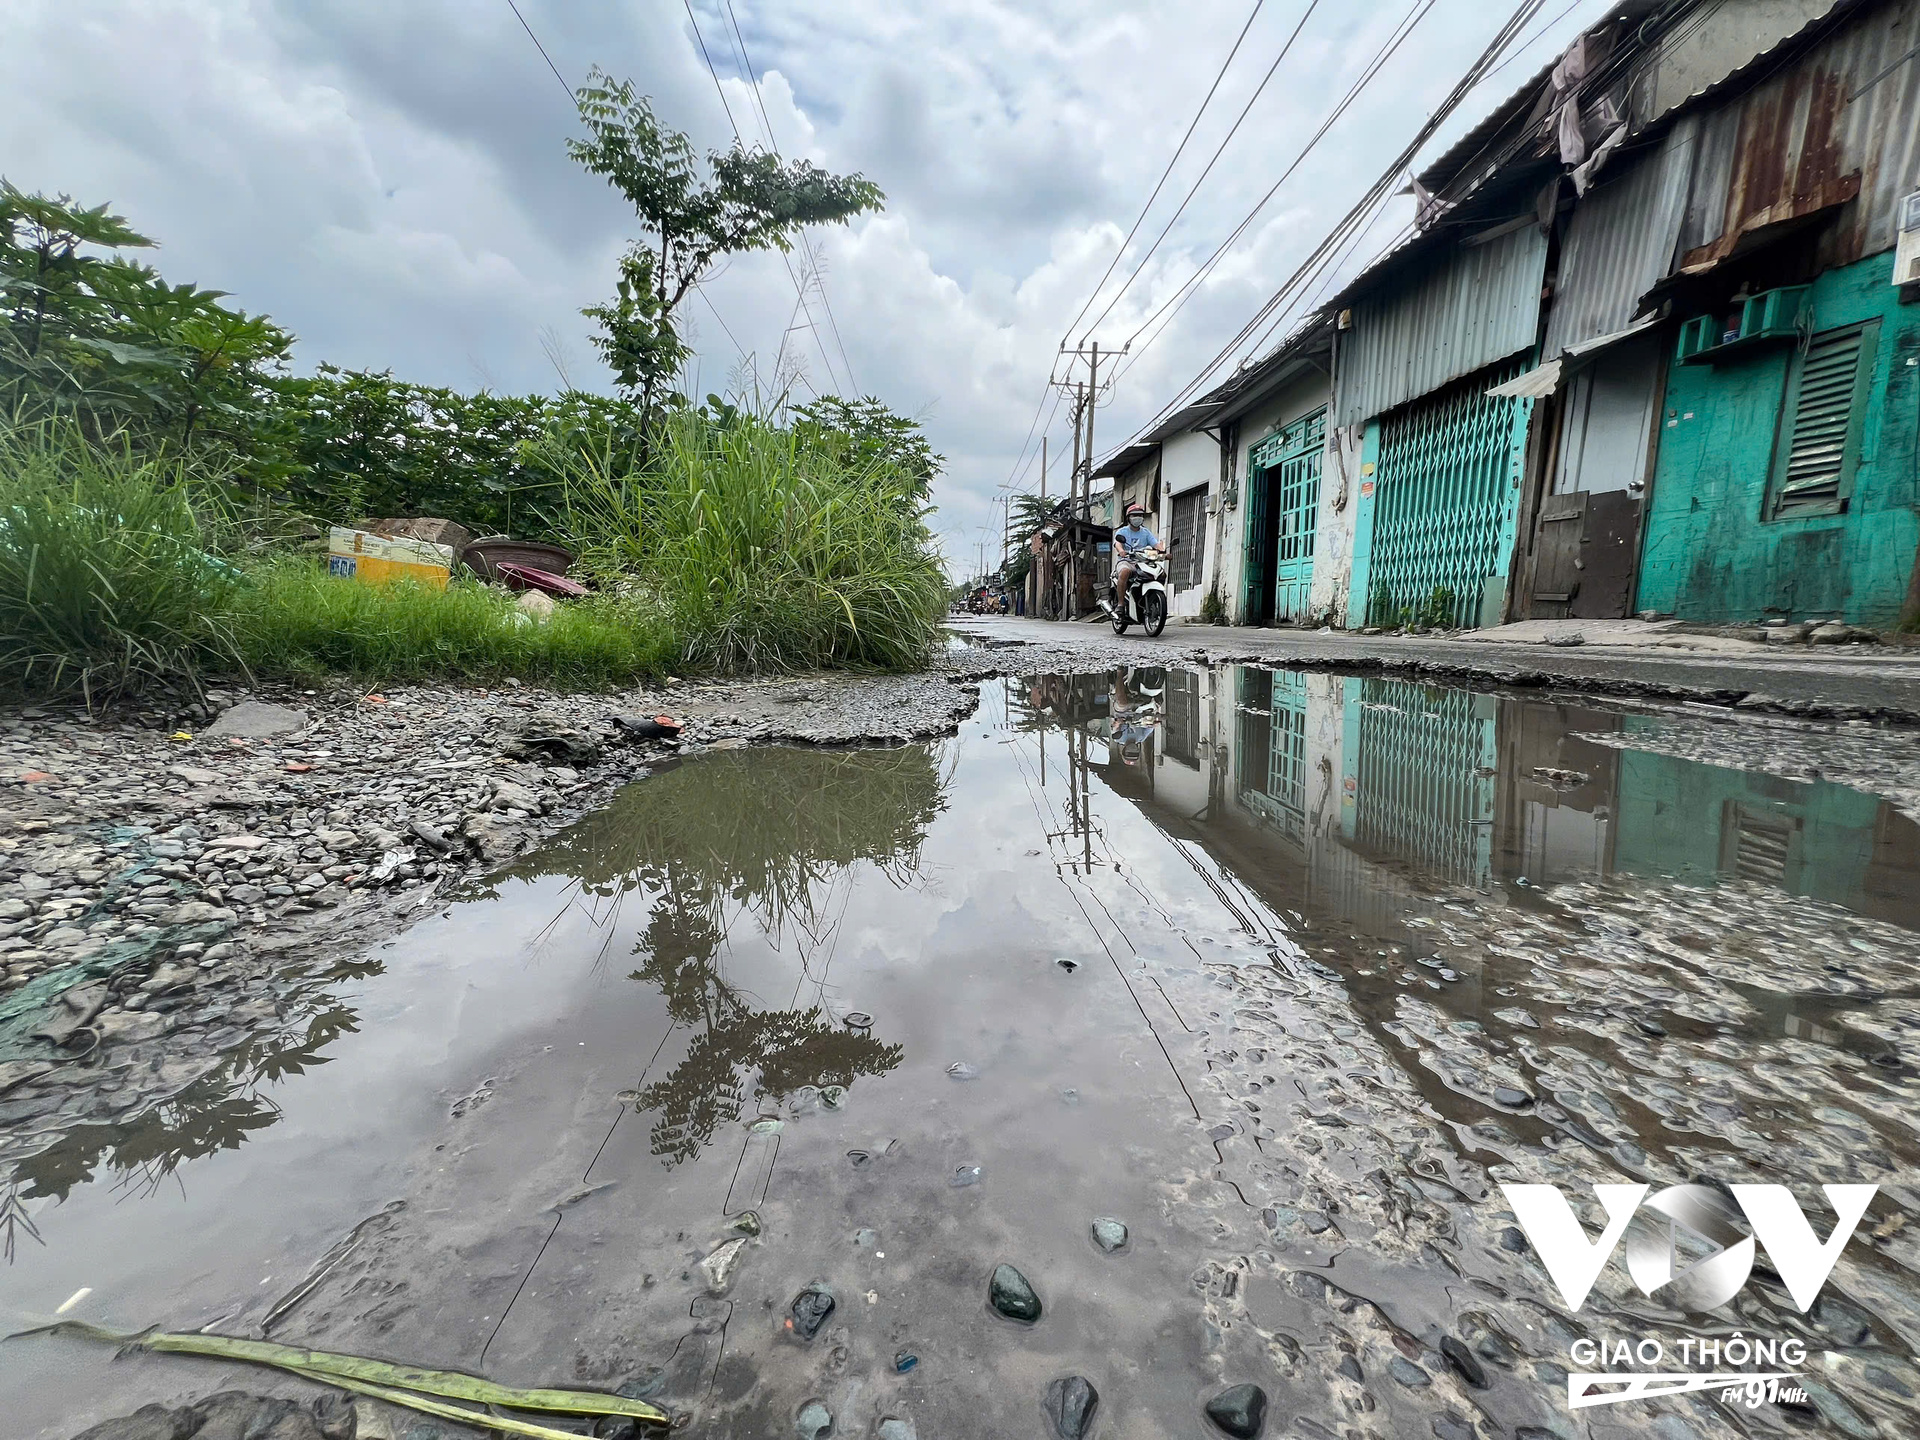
(1043, 467)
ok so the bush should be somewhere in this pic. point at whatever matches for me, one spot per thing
(294, 619)
(767, 548)
(104, 582)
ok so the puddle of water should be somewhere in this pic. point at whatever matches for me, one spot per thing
(1255, 962)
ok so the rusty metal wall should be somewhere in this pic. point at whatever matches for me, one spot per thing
(1793, 143)
(1620, 242)
(1444, 318)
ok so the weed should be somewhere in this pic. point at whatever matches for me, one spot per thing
(104, 582)
(294, 619)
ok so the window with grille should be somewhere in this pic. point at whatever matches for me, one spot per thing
(1183, 569)
(1823, 414)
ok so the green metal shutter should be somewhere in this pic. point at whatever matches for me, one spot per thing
(1446, 500)
(1826, 408)
(1426, 763)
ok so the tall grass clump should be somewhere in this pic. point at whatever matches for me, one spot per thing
(293, 619)
(767, 548)
(105, 584)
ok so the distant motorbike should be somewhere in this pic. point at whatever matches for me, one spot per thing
(1145, 602)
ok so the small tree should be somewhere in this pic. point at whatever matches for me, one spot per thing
(875, 436)
(745, 200)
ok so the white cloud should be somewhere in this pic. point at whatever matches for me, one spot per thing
(389, 181)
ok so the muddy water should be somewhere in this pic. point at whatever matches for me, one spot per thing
(1285, 972)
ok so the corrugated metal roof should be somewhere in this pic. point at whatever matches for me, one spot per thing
(1792, 144)
(1620, 243)
(1459, 311)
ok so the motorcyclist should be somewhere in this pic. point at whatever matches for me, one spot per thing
(1129, 541)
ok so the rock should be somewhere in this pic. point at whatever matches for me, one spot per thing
(236, 1415)
(814, 1421)
(18, 1072)
(71, 1012)
(335, 1415)
(810, 1309)
(718, 1267)
(510, 795)
(196, 912)
(1787, 634)
(14, 910)
(1513, 1240)
(194, 775)
(553, 745)
(170, 977)
(124, 1026)
(1563, 642)
(1241, 1411)
(1070, 1405)
(1513, 1099)
(535, 604)
(648, 727)
(149, 1422)
(1010, 1293)
(1408, 1373)
(1463, 1360)
(1350, 1368)
(255, 720)
(894, 1428)
(1109, 1234)
(489, 839)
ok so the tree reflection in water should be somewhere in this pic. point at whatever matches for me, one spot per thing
(771, 836)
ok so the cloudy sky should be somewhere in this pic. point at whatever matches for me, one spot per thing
(387, 178)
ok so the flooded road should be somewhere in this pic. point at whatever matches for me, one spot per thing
(1286, 973)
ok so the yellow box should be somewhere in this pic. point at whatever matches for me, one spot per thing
(379, 559)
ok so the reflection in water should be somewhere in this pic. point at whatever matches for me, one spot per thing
(770, 837)
(218, 1109)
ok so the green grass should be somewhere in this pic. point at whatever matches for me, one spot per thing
(293, 619)
(104, 585)
(740, 547)
(766, 550)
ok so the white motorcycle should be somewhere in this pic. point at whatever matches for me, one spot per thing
(1145, 602)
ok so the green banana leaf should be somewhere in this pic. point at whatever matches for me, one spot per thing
(389, 1381)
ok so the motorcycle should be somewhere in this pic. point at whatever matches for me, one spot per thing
(1145, 602)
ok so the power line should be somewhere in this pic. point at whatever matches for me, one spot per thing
(798, 290)
(1166, 173)
(543, 51)
(1395, 39)
(1375, 194)
(1140, 268)
(819, 283)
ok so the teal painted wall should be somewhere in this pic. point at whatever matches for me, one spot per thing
(1709, 552)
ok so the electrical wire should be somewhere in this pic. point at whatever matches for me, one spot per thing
(1141, 266)
(1166, 173)
(1362, 210)
(1395, 39)
(543, 51)
(819, 283)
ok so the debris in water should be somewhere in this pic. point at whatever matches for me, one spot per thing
(860, 1158)
(718, 1267)
(857, 1020)
(402, 1385)
(904, 1361)
(966, 1175)
(1109, 1234)
(1010, 1293)
(1067, 965)
(747, 1222)
(960, 1070)
(1513, 1099)
(811, 1307)
(1241, 1411)
(833, 1096)
(1070, 1405)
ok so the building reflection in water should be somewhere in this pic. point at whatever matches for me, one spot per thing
(1355, 801)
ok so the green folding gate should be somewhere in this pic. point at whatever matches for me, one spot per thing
(1287, 465)
(1273, 749)
(1426, 768)
(1448, 491)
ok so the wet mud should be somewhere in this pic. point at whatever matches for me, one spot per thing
(1284, 973)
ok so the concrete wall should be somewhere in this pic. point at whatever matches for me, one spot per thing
(1188, 462)
(1275, 412)
(1711, 553)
